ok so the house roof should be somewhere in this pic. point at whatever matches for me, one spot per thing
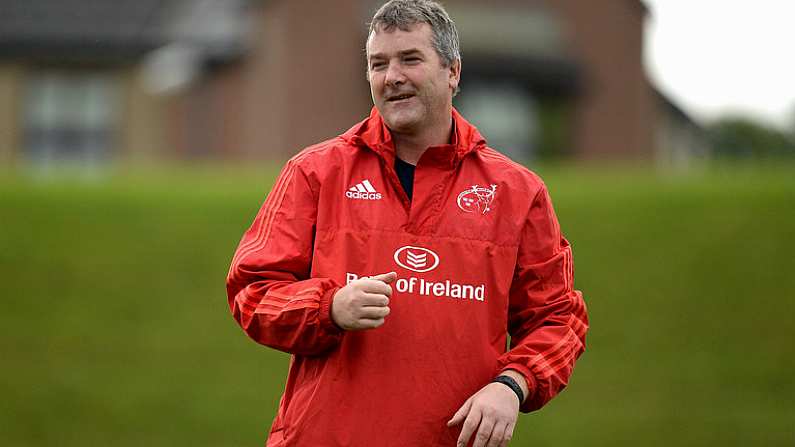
(79, 28)
(112, 31)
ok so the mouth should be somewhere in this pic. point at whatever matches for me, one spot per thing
(400, 97)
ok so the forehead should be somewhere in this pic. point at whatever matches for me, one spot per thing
(395, 40)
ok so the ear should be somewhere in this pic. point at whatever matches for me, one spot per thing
(455, 74)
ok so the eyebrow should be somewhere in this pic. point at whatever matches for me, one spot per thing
(404, 53)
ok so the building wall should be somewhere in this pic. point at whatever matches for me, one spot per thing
(263, 120)
(143, 134)
(317, 87)
(614, 106)
(614, 115)
(10, 84)
(303, 80)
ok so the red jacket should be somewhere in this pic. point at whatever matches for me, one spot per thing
(479, 255)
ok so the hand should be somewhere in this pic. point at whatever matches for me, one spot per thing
(493, 411)
(363, 303)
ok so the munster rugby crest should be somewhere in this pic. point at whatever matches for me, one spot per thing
(476, 199)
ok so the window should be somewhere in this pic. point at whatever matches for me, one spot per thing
(505, 114)
(69, 117)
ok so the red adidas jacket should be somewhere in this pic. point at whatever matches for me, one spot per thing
(479, 255)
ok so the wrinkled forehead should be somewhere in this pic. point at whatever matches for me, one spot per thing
(389, 39)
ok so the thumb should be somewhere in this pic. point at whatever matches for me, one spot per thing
(385, 277)
(461, 414)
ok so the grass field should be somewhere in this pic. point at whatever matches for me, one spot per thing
(115, 328)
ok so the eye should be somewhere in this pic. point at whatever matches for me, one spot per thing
(412, 60)
(377, 65)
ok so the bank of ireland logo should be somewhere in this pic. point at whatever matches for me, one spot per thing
(476, 199)
(416, 259)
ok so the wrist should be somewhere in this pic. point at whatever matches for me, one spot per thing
(511, 383)
(525, 381)
(330, 311)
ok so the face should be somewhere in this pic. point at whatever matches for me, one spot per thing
(410, 87)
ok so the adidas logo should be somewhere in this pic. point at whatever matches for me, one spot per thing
(363, 191)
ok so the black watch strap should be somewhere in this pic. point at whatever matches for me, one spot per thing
(510, 383)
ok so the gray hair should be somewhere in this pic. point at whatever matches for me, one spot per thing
(402, 14)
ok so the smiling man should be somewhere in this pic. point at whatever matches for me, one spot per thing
(393, 262)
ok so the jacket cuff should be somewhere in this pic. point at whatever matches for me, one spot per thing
(326, 322)
(531, 383)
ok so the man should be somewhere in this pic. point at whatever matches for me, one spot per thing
(393, 260)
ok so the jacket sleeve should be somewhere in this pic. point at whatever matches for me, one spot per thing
(547, 319)
(269, 288)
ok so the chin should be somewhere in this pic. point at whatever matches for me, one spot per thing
(404, 126)
(401, 121)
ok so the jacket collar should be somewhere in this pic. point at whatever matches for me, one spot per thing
(373, 133)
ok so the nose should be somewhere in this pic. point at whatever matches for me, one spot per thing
(394, 75)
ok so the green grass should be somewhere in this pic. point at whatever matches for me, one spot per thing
(115, 328)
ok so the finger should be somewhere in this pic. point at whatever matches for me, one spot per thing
(375, 286)
(374, 299)
(508, 434)
(459, 415)
(470, 424)
(497, 433)
(385, 277)
(373, 313)
(484, 431)
(368, 323)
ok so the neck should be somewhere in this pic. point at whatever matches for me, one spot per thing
(409, 147)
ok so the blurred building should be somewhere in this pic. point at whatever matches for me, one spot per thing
(89, 81)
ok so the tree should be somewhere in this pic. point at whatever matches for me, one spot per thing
(743, 137)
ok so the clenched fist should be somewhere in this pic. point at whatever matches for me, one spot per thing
(363, 303)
